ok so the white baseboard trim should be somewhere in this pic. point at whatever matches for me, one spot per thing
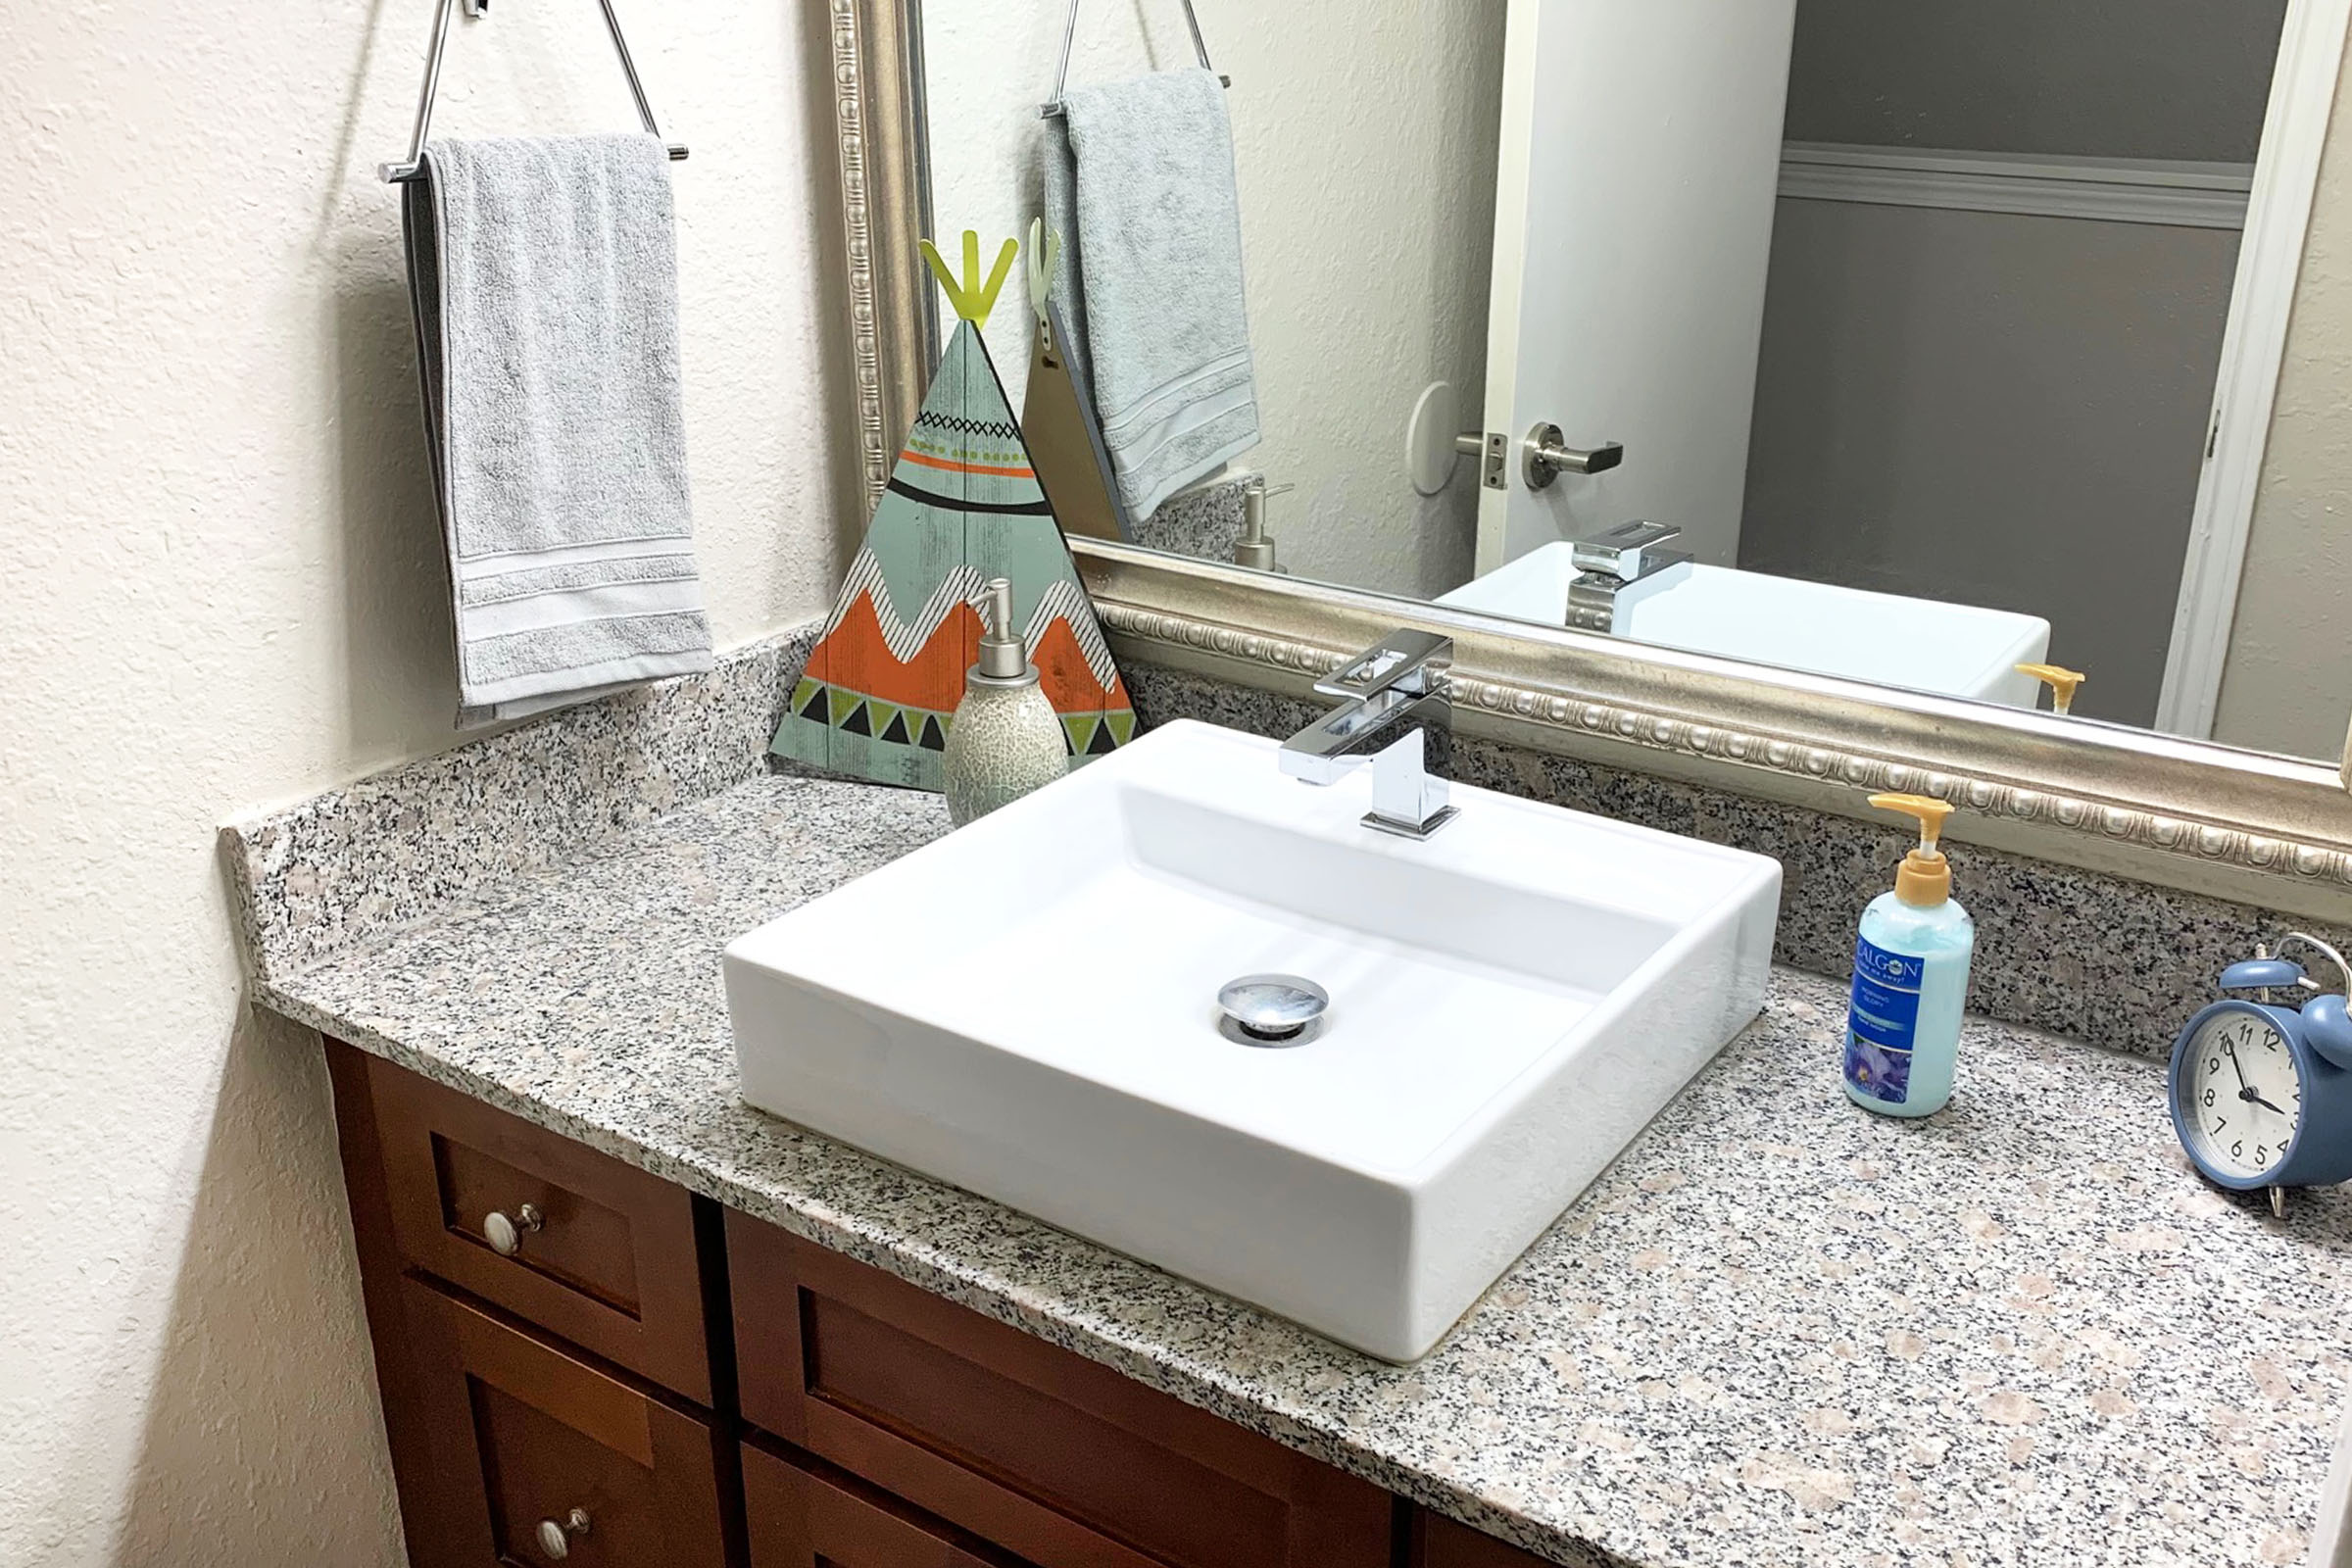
(2114, 190)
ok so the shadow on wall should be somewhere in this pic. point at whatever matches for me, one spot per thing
(400, 653)
(263, 1444)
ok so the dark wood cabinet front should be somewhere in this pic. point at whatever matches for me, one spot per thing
(800, 1519)
(1440, 1543)
(538, 1456)
(614, 1375)
(576, 1242)
(1032, 1447)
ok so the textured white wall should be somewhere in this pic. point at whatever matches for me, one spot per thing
(220, 589)
(2287, 683)
(1360, 131)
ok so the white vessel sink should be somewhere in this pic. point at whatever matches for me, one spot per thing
(1924, 644)
(1028, 1008)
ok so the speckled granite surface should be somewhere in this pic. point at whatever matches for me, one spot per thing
(1777, 1331)
(1204, 523)
(353, 863)
(2094, 958)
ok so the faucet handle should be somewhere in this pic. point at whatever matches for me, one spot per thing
(1406, 660)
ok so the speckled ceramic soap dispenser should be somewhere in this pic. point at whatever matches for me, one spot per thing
(1004, 739)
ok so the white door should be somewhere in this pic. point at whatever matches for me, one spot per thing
(1640, 162)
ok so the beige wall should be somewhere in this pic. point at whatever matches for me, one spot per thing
(1359, 134)
(2287, 683)
(218, 588)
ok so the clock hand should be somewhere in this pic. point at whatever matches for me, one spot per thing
(2243, 1093)
(2250, 1095)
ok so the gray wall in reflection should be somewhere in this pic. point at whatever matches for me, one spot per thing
(2095, 79)
(1991, 408)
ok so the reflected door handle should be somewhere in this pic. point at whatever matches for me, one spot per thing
(1547, 457)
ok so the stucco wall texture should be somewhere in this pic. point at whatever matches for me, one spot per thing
(2287, 684)
(219, 588)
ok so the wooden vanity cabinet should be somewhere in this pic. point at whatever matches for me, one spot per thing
(537, 1455)
(1436, 1542)
(1032, 1447)
(642, 1380)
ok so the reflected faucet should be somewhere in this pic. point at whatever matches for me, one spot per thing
(1399, 714)
(1618, 570)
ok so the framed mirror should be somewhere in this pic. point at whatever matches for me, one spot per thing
(1789, 393)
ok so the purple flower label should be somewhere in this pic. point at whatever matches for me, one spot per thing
(1877, 1072)
(1880, 1021)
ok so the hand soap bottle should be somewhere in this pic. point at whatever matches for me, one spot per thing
(1004, 739)
(1902, 1032)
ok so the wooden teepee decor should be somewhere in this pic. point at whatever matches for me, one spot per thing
(963, 505)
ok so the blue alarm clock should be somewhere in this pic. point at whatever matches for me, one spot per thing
(2261, 1091)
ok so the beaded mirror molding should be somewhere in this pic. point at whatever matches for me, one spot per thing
(2269, 831)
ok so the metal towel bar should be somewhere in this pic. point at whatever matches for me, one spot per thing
(413, 167)
(1069, 35)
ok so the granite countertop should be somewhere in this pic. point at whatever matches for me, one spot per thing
(1776, 1330)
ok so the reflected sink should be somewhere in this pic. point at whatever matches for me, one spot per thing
(1925, 644)
(1028, 1008)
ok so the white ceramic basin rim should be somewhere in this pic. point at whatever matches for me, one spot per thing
(1028, 1008)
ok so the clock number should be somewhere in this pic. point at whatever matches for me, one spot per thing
(2237, 1150)
(2261, 1154)
(2209, 1096)
(2213, 1064)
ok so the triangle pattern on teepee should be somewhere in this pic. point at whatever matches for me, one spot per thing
(963, 505)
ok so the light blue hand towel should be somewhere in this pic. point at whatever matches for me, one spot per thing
(544, 275)
(1140, 184)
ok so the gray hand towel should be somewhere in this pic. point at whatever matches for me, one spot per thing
(1140, 184)
(544, 275)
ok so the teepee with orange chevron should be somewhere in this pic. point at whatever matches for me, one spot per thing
(963, 505)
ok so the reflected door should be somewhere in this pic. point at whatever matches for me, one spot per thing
(1640, 162)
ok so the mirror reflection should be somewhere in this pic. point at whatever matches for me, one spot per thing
(1877, 339)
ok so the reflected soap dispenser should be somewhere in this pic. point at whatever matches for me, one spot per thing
(1902, 1032)
(1004, 739)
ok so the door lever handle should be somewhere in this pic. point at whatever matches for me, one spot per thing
(1548, 457)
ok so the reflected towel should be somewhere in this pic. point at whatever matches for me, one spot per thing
(544, 276)
(1140, 184)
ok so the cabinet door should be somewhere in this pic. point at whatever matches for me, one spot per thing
(1440, 1543)
(1028, 1446)
(802, 1520)
(579, 1243)
(537, 1457)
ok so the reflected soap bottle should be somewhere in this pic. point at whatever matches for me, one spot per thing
(1004, 739)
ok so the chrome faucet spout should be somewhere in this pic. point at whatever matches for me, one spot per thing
(1397, 698)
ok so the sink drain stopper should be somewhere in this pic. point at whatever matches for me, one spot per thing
(1272, 1010)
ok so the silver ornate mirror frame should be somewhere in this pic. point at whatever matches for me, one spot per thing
(2274, 832)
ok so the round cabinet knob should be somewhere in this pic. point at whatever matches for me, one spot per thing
(505, 1235)
(555, 1539)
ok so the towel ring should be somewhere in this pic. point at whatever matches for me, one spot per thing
(413, 167)
(1070, 36)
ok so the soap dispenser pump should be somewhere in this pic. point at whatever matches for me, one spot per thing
(1005, 738)
(1902, 1033)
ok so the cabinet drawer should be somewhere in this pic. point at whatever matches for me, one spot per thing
(1034, 1449)
(802, 1520)
(526, 1439)
(602, 1253)
(1440, 1543)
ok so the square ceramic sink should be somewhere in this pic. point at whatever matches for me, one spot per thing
(1028, 1008)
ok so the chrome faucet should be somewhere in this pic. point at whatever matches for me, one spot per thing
(1618, 570)
(1398, 696)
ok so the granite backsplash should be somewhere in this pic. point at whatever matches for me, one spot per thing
(2085, 954)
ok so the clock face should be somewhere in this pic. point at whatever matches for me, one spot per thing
(2240, 1094)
